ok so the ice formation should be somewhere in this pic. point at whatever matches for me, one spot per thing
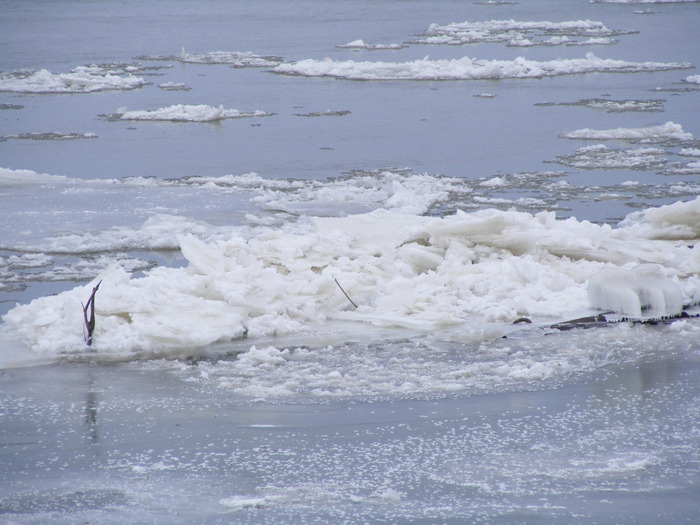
(468, 69)
(233, 58)
(188, 113)
(84, 79)
(361, 44)
(643, 291)
(457, 277)
(521, 33)
(667, 131)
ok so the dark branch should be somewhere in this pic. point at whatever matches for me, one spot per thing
(90, 320)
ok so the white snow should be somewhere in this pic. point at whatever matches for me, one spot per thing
(669, 130)
(81, 80)
(233, 58)
(10, 177)
(692, 79)
(361, 44)
(467, 68)
(643, 290)
(520, 33)
(461, 276)
(188, 113)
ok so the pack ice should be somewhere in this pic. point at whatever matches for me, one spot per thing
(429, 275)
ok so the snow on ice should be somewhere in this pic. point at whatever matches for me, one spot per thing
(188, 113)
(667, 131)
(84, 79)
(429, 275)
(521, 33)
(468, 69)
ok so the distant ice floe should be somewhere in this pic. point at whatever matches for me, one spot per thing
(174, 86)
(17, 270)
(663, 137)
(663, 132)
(326, 113)
(468, 69)
(522, 33)
(462, 277)
(692, 79)
(601, 156)
(614, 106)
(188, 113)
(53, 135)
(83, 79)
(361, 44)
(231, 58)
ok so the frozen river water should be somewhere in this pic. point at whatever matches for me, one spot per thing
(314, 225)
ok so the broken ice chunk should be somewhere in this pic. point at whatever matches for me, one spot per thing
(642, 291)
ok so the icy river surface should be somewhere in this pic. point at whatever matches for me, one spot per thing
(333, 249)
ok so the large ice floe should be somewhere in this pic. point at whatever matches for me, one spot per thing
(187, 113)
(522, 33)
(231, 58)
(83, 79)
(462, 277)
(468, 68)
(660, 141)
(669, 130)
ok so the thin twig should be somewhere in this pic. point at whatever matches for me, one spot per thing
(90, 322)
(345, 293)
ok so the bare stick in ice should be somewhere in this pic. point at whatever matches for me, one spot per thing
(344, 292)
(90, 322)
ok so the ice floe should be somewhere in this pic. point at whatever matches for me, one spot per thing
(53, 135)
(326, 113)
(522, 33)
(468, 69)
(600, 156)
(667, 131)
(361, 44)
(692, 79)
(174, 86)
(187, 113)
(463, 276)
(83, 79)
(231, 58)
(614, 106)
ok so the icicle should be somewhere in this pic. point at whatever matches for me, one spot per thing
(640, 292)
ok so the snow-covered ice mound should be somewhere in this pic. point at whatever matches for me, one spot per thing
(462, 277)
(468, 68)
(188, 113)
(522, 33)
(84, 79)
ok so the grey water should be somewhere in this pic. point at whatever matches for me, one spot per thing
(100, 443)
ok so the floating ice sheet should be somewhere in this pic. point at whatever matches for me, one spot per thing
(667, 131)
(522, 33)
(469, 69)
(188, 113)
(84, 79)
(231, 58)
(614, 106)
(361, 44)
